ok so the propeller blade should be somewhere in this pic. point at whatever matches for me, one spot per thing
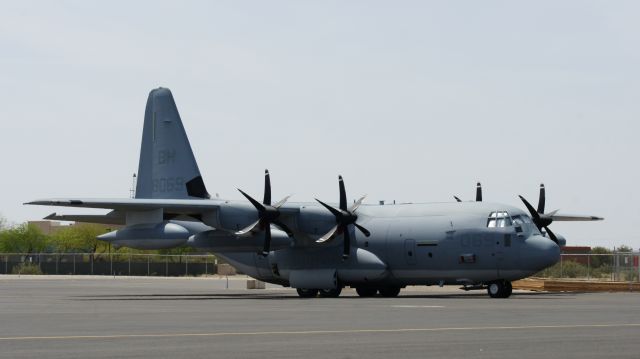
(331, 209)
(552, 236)
(343, 194)
(363, 230)
(329, 235)
(267, 188)
(267, 241)
(457, 199)
(347, 244)
(281, 202)
(478, 192)
(541, 199)
(357, 204)
(534, 214)
(250, 228)
(572, 217)
(255, 203)
(284, 227)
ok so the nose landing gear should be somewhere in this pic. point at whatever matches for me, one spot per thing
(499, 289)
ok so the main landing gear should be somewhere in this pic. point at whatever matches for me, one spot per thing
(499, 289)
(324, 293)
(388, 292)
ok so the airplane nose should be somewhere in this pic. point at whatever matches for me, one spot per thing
(539, 253)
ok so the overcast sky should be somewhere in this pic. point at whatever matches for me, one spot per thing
(412, 101)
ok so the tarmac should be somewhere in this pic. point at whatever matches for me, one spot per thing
(142, 317)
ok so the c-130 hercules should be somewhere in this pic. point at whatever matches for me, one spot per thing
(319, 248)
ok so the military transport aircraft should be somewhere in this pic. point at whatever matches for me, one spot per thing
(319, 248)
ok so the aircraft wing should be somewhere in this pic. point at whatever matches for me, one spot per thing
(171, 206)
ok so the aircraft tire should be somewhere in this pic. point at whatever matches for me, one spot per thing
(496, 289)
(389, 292)
(307, 293)
(508, 289)
(330, 293)
(366, 291)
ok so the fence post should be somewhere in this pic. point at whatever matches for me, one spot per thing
(186, 265)
(74, 264)
(57, 259)
(588, 266)
(166, 266)
(148, 264)
(561, 272)
(129, 264)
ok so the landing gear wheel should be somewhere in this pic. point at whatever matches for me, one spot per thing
(507, 289)
(389, 292)
(307, 293)
(499, 289)
(366, 291)
(330, 293)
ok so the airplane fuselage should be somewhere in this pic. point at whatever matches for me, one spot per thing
(410, 244)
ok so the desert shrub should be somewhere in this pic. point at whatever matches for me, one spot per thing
(26, 268)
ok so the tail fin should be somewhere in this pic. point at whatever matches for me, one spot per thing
(167, 167)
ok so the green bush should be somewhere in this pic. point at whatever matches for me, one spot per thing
(26, 268)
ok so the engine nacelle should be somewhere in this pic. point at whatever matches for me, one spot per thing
(223, 241)
(148, 236)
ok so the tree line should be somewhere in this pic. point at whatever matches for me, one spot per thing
(78, 238)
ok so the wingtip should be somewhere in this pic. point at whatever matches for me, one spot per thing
(51, 216)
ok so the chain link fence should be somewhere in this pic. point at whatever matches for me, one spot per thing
(108, 264)
(617, 267)
(621, 267)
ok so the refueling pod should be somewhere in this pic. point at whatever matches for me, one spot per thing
(161, 235)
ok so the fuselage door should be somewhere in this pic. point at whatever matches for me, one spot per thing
(506, 249)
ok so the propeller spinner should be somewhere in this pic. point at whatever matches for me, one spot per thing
(541, 219)
(267, 214)
(344, 217)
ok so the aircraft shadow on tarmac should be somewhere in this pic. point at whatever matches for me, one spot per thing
(258, 296)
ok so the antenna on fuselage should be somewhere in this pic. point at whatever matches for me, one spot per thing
(132, 191)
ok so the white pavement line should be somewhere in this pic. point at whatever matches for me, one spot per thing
(317, 332)
(417, 306)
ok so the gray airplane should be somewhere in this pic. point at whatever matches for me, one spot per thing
(320, 248)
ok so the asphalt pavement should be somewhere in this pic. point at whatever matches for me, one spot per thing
(107, 317)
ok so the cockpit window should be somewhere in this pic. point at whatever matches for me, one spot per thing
(499, 219)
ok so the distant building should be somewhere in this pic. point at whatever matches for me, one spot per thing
(575, 254)
(49, 227)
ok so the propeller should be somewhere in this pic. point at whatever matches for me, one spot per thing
(344, 217)
(267, 214)
(541, 219)
(478, 194)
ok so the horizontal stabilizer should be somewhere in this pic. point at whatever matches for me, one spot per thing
(113, 217)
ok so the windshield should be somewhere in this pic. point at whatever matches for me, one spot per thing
(526, 223)
(499, 220)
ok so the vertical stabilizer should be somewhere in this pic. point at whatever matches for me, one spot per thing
(167, 167)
